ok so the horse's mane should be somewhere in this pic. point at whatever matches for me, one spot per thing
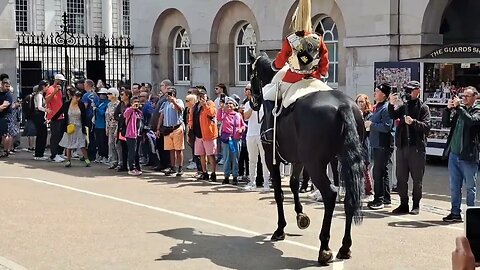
(264, 67)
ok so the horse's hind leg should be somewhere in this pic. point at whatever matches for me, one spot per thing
(344, 252)
(279, 234)
(329, 194)
(303, 221)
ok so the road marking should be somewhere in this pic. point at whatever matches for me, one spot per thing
(4, 262)
(337, 265)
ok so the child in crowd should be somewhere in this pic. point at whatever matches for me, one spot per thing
(232, 130)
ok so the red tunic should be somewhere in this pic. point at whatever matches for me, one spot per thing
(292, 77)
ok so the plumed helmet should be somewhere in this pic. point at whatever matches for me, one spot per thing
(305, 53)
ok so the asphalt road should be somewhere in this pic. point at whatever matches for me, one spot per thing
(91, 218)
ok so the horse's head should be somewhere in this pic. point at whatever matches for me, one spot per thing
(262, 72)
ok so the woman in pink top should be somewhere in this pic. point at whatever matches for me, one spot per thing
(232, 129)
(134, 123)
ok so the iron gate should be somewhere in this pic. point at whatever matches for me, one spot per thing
(98, 58)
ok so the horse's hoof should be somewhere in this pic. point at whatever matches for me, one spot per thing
(325, 257)
(277, 237)
(303, 221)
(344, 255)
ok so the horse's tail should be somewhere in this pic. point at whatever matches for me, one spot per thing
(352, 165)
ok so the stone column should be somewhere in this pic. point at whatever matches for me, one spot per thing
(8, 41)
(107, 22)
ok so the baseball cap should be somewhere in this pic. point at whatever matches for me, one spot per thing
(113, 91)
(413, 85)
(103, 91)
(60, 77)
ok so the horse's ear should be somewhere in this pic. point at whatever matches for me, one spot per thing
(251, 55)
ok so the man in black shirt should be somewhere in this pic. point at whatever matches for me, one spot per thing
(411, 142)
(6, 101)
(163, 155)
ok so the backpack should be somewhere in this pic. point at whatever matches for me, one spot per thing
(28, 106)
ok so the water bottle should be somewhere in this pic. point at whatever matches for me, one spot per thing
(232, 146)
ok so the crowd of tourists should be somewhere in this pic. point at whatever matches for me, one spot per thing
(132, 127)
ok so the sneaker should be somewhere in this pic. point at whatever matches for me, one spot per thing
(169, 171)
(134, 172)
(68, 164)
(58, 159)
(40, 158)
(375, 205)
(235, 181)
(191, 166)
(394, 190)
(453, 218)
(415, 211)
(180, 172)
(87, 163)
(98, 160)
(402, 209)
(204, 176)
(367, 198)
(250, 186)
(113, 166)
(265, 190)
(75, 155)
(221, 161)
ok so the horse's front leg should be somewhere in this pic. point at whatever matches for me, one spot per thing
(279, 234)
(303, 221)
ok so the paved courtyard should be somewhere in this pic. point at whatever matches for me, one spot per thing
(92, 218)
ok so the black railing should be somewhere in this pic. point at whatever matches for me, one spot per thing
(75, 56)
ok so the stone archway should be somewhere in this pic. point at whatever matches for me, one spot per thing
(432, 18)
(168, 23)
(225, 26)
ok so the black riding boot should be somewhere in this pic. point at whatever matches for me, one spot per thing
(267, 128)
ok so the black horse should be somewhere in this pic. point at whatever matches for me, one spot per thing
(317, 128)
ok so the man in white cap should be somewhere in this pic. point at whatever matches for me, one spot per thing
(54, 101)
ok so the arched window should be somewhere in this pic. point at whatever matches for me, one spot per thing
(182, 57)
(245, 40)
(328, 29)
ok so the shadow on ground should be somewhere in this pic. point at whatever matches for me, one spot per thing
(234, 252)
(418, 225)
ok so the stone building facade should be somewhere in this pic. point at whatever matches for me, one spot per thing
(86, 16)
(202, 42)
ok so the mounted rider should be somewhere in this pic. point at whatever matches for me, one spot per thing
(307, 58)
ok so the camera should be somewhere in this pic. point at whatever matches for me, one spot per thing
(170, 93)
(472, 225)
(406, 93)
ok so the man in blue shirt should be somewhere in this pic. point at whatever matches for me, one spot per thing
(90, 99)
(100, 126)
(171, 127)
